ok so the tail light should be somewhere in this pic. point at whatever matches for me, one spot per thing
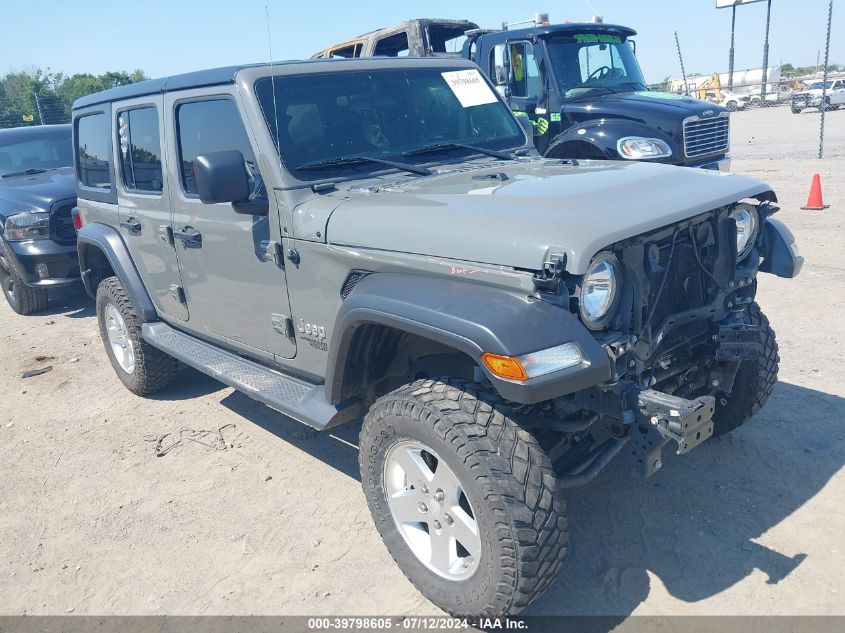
(77, 218)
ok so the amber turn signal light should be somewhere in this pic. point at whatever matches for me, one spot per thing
(505, 366)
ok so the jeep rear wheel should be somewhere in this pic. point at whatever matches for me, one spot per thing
(754, 380)
(142, 368)
(464, 499)
(22, 299)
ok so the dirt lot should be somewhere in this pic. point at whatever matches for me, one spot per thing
(91, 522)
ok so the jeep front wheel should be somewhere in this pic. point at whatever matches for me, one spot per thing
(142, 368)
(754, 380)
(464, 499)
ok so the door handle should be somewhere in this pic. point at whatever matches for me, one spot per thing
(189, 236)
(132, 225)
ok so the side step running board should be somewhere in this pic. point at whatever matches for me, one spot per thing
(301, 400)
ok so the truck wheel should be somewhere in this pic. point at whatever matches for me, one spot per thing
(22, 299)
(464, 499)
(796, 110)
(140, 366)
(754, 381)
(730, 106)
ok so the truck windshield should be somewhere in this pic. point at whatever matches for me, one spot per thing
(387, 114)
(587, 64)
(32, 153)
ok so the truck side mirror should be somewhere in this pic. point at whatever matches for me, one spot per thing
(221, 177)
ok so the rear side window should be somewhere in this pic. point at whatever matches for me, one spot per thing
(211, 126)
(393, 46)
(140, 149)
(92, 151)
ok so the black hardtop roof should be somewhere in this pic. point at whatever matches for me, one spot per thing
(15, 134)
(211, 77)
(215, 77)
(565, 29)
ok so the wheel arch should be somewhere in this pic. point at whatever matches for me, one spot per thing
(103, 253)
(600, 137)
(460, 319)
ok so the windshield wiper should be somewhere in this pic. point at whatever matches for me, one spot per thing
(442, 147)
(25, 172)
(343, 161)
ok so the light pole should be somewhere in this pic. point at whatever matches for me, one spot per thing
(766, 55)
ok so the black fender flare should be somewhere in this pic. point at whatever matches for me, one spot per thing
(109, 242)
(603, 135)
(471, 318)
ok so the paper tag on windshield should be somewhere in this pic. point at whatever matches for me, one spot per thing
(469, 87)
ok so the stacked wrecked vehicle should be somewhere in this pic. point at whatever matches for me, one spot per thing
(380, 238)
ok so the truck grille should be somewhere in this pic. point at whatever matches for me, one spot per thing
(61, 224)
(706, 136)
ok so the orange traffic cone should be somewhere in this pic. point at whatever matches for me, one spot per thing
(815, 202)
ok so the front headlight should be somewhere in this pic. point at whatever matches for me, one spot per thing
(600, 291)
(27, 226)
(639, 148)
(747, 226)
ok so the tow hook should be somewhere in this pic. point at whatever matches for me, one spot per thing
(686, 422)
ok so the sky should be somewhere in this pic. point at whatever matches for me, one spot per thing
(166, 37)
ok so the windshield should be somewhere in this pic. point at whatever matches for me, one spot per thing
(48, 150)
(586, 64)
(386, 114)
(820, 85)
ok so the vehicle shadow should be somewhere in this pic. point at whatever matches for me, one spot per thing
(692, 525)
(71, 302)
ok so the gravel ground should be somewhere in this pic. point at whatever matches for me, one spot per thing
(91, 522)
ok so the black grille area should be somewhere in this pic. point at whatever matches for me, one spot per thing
(61, 225)
(684, 288)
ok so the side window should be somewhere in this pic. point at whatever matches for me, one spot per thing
(525, 81)
(140, 149)
(92, 151)
(593, 59)
(499, 65)
(207, 126)
(393, 46)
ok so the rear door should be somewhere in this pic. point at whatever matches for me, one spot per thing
(234, 290)
(143, 200)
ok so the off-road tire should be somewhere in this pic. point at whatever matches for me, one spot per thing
(731, 106)
(154, 370)
(754, 381)
(22, 299)
(507, 477)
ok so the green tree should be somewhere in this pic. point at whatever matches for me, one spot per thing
(36, 97)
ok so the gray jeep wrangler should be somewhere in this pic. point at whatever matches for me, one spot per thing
(378, 237)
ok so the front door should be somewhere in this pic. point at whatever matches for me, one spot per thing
(143, 200)
(233, 289)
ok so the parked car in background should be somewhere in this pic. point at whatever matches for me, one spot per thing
(37, 195)
(733, 102)
(813, 96)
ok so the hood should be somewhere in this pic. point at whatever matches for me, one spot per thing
(664, 111)
(37, 191)
(473, 215)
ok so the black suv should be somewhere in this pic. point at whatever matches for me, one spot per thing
(37, 232)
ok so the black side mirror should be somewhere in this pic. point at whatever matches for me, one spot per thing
(222, 177)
